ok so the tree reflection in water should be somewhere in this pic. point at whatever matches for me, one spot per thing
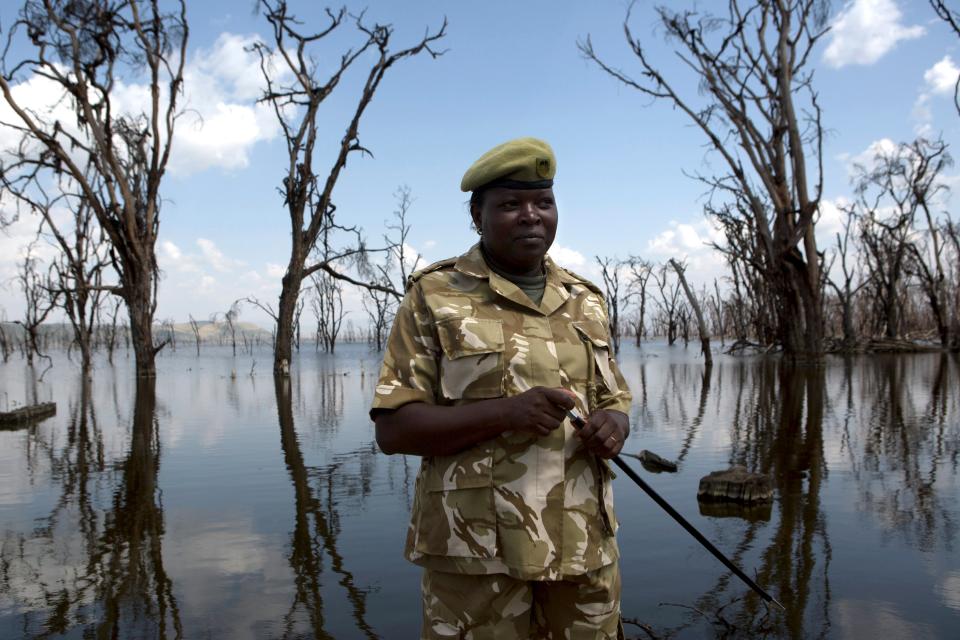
(776, 428)
(316, 525)
(893, 422)
(104, 572)
(864, 455)
(906, 443)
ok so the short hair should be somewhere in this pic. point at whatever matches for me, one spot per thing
(476, 200)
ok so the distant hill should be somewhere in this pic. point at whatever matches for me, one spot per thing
(209, 331)
(212, 331)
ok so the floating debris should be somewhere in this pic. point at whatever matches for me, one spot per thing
(652, 462)
(26, 416)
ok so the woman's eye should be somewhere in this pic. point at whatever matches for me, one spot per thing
(546, 203)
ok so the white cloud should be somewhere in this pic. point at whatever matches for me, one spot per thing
(831, 219)
(690, 243)
(220, 121)
(171, 257)
(938, 80)
(941, 78)
(171, 251)
(864, 31)
(566, 257)
(684, 240)
(215, 257)
(275, 270)
(868, 157)
(207, 281)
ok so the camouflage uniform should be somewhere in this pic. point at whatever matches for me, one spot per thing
(533, 508)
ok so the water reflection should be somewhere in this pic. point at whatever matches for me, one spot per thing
(135, 591)
(896, 426)
(316, 525)
(907, 442)
(777, 429)
(239, 533)
(96, 566)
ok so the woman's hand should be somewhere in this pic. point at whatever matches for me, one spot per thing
(539, 410)
(605, 432)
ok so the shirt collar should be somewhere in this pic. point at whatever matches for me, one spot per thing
(555, 293)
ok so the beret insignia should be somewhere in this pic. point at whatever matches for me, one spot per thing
(543, 167)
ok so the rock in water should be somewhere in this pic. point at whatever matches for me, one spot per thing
(735, 484)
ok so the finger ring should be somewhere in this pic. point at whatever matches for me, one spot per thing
(613, 437)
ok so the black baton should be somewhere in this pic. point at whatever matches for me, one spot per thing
(617, 460)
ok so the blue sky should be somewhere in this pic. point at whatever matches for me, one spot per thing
(511, 69)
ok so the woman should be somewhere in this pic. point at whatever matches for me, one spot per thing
(513, 516)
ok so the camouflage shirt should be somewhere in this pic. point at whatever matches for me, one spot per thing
(537, 508)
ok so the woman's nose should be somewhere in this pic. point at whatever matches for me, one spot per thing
(529, 212)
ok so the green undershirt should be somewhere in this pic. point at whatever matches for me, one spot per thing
(533, 286)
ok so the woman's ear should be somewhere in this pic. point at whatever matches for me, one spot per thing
(475, 214)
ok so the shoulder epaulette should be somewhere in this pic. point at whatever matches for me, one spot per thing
(436, 266)
(584, 281)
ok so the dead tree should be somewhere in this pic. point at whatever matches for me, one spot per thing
(80, 270)
(697, 313)
(195, 328)
(167, 325)
(40, 298)
(639, 274)
(610, 269)
(230, 319)
(952, 234)
(307, 194)
(327, 306)
(81, 264)
(110, 340)
(392, 273)
(923, 173)
(719, 316)
(6, 348)
(750, 67)
(669, 303)
(847, 289)
(890, 194)
(84, 49)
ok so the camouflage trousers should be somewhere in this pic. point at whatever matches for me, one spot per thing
(486, 607)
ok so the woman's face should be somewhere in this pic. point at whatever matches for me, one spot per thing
(517, 227)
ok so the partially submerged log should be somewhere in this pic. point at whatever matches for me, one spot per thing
(735, 484)
(652, 462)
(894, 345)
(26, 416)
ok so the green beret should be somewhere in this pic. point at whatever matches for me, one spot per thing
(524, 163)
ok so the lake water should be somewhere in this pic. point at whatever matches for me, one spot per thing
(222, 505)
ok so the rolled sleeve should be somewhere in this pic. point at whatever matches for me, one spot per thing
(618, 400)
(409, 370)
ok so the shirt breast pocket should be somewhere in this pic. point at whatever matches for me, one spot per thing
(594, 334)
(472, 359)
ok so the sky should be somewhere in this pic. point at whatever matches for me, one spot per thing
(884, 74)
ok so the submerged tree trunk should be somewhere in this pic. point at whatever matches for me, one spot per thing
(698, 314)
(138, 293)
